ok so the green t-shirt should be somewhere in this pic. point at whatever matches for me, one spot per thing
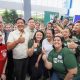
(62, 61)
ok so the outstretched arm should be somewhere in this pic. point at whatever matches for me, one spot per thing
(70, 74)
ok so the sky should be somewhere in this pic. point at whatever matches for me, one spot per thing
(74, 10)
(13, 0)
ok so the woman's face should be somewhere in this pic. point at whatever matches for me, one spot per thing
(66, 33)
(57, 42)
(39, 36)
(49, 34)
(76, 27)
(8, 27)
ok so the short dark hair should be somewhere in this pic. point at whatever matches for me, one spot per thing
(20, 19)
(30, 19)
(67, 18)
(71, 24)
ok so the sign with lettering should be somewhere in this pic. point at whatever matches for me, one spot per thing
(49, 16)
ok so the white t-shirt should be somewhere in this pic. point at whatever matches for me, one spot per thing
(20, 51)
(47, 46)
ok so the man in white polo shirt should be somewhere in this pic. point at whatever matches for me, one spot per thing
(31, 28)
(18, 42)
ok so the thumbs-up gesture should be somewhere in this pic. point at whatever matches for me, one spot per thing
(35, 44)
(72, 45)
(21, 39)
(3, 77)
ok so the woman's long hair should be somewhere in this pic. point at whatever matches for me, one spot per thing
(34, 38)
(62, 40)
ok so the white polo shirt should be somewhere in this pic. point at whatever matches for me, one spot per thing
(20, 51)
(31, 32)
(47, 46)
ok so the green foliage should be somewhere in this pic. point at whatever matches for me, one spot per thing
(6, 16)
(38, 19)
(9, 16)
(13, 16)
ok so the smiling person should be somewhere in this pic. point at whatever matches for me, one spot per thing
(62, 60)
(48, 41)
(18, 43)
(3, 58)
(31, 27)
(66, 35)
(35, 53)
(47, 45)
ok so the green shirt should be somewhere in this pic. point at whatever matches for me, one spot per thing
(62, 61)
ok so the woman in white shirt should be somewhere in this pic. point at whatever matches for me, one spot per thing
(47, 43)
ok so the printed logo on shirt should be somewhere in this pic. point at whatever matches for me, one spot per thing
(4, 53)
(35, 49)
(58, 59)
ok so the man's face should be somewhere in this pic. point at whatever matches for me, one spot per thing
(76, 27)
(20, 25)
(8, 27)
(37, 26)
(65, 22)
(1, 25)
(31, 24)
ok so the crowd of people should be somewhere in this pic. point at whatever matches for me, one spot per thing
(50, 52)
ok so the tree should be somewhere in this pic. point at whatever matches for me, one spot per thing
(13, 16)
(5, 16)
(9, 16)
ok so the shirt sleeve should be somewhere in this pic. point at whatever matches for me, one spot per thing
(10, 37)
(30, 43)
(70, 60)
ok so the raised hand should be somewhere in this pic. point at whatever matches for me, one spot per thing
(72, 45)
(43, 51)
(3, 77)
(35, 45)
(44, 56)
(21, 39)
